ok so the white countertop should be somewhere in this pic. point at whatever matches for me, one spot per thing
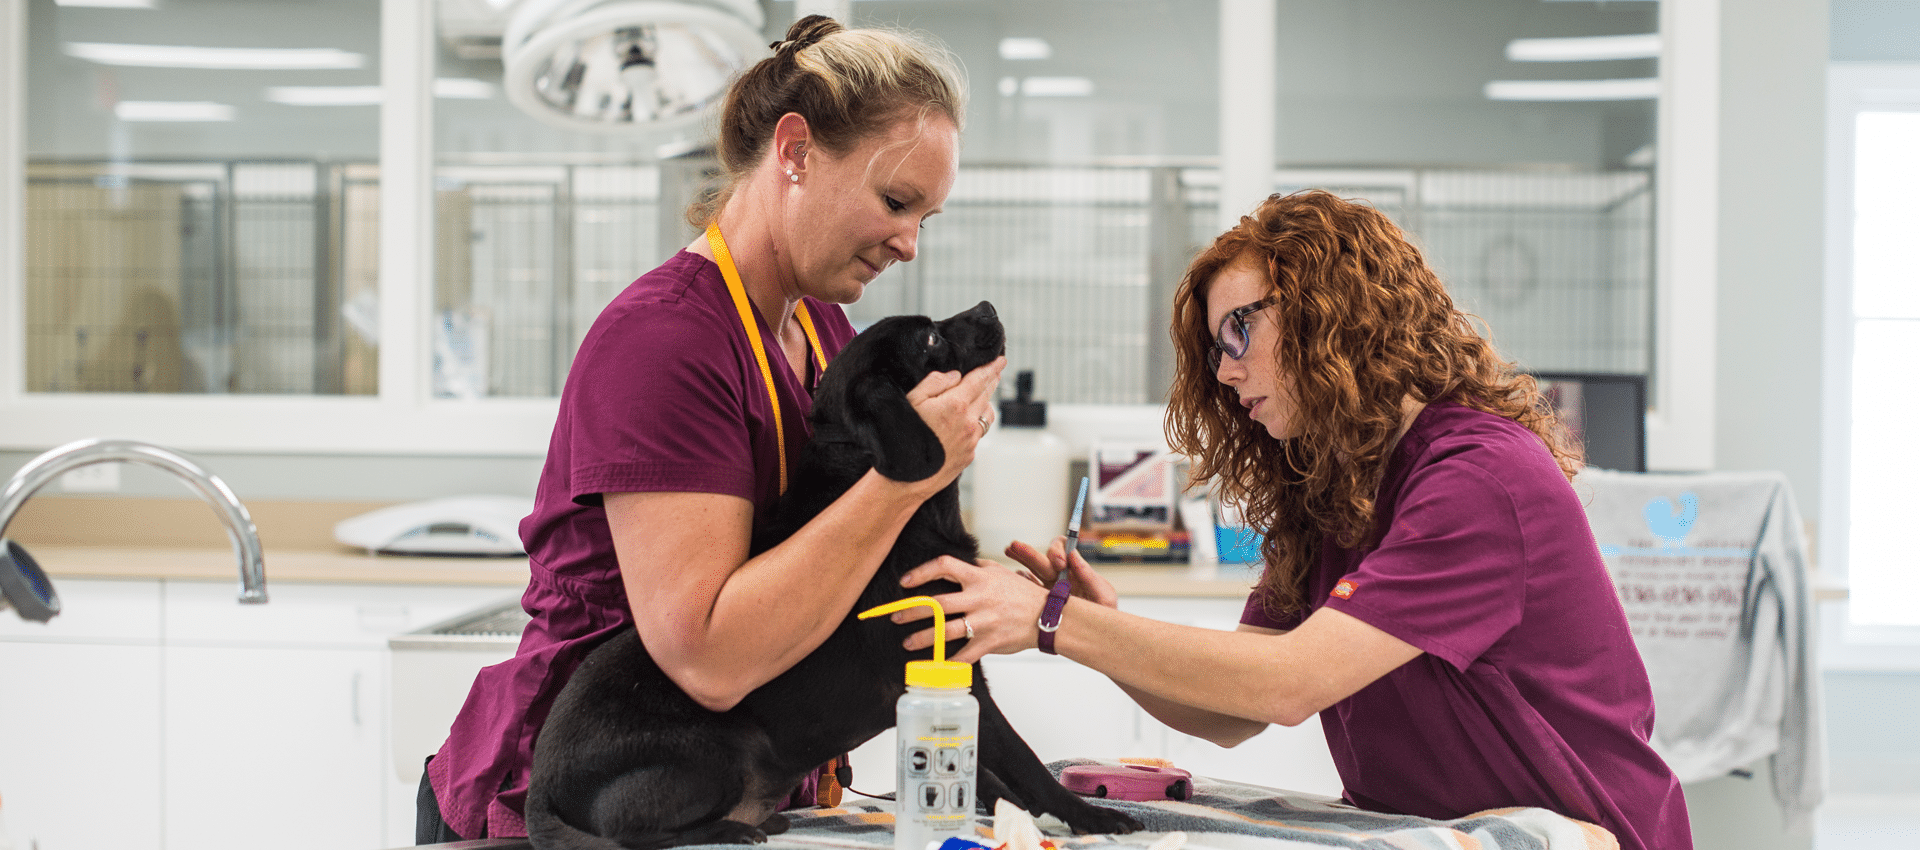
(349, 566)
(342, 565)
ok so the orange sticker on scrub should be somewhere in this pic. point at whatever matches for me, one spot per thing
(1345, 588)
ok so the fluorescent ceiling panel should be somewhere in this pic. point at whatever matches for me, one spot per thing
(216, 58)
(458, 88)
(462, 88)
(1017, 48)
(172, 110)
(1056, 86)
(1595, 48)
(1647, 88)
(324, 95)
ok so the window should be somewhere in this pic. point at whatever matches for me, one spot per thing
(1876, 129)
(380, 253)
(199, 198)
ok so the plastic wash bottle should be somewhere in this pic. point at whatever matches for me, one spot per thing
(1019, 476)
(938, 724)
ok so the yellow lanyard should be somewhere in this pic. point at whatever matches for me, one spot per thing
(724, 259)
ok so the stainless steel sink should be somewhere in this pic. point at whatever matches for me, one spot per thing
(495, 626)
(433, 669)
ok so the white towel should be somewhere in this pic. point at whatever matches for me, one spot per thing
(1712, 570)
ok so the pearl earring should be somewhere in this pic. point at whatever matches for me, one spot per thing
(792, 177)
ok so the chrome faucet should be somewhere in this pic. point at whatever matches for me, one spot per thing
(60, 460)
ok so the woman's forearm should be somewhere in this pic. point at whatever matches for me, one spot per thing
(1260, 676)
(720, 627)
(1223, 729)
(1207, 683)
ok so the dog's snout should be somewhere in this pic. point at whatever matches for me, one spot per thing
(985, 310)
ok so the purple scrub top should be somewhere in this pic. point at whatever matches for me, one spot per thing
(664, 395)
(1530, 691)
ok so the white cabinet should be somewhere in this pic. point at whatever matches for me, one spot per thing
(156, 714)
(277, 713)
(280, 741)
(80, 745)
(1064, 710)
(80, 721)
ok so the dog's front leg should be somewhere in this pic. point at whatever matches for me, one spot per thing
(992, 791)
(1006, 756)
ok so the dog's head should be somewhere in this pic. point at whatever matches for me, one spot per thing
(862, 398)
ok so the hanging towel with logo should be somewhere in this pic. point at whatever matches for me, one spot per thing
(1712, 570)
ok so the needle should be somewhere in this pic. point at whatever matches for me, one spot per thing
(1079, 505)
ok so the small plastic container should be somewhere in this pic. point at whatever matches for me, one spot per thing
(1235, 542)
(938, 725)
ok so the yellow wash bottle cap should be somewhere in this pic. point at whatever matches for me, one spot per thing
(938, 673)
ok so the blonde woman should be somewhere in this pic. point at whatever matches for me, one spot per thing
(672, 437)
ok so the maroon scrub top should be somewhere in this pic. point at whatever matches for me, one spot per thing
(1530, 691)
(664, 395)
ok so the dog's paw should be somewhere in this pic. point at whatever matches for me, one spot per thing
(775, 824)
(1100, 821)
(723, 832)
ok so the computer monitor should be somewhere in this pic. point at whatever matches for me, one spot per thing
(1607, 412)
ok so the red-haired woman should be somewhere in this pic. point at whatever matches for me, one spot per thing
(1431, 588)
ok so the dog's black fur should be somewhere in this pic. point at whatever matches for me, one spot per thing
(628, 760)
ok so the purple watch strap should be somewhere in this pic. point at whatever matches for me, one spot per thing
(1050, 615)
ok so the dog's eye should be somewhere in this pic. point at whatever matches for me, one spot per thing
(933, 339)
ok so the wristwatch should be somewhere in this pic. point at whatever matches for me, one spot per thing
(1050, 615)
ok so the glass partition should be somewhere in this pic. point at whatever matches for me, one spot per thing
(199, 208)
(202, 189)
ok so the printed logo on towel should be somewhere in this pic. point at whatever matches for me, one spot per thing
(1345, 588)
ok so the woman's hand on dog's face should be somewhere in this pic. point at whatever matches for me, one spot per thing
(954, 405)
(1002, 605)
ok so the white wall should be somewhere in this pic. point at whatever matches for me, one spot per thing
(1772, 229)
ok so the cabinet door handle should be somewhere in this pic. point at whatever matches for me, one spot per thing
(355, 696)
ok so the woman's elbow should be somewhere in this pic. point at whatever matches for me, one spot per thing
(1235, 735)
(712, 687)
(1291, 711)
(713, 693)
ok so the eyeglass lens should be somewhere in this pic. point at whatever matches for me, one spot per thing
(1232, 338)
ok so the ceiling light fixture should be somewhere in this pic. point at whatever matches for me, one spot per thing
(1647, 88)
(1019, 47)
(172, 110)
(215, 58)
(323, 95)
(452, 88)
(638, 67)
(1594, 48)
(1056, 86)
(462, 88)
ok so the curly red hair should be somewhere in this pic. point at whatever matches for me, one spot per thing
(1365, 324)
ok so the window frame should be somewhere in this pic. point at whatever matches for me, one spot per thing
(403, 418)
(1852, 88)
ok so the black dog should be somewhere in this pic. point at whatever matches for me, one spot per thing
(628, 760)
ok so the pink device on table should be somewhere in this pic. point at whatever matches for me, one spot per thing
(1129, 781)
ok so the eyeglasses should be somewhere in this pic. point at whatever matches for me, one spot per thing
(1232, 338)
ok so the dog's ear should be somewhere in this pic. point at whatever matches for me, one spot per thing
(891, 360)
(885, 423)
